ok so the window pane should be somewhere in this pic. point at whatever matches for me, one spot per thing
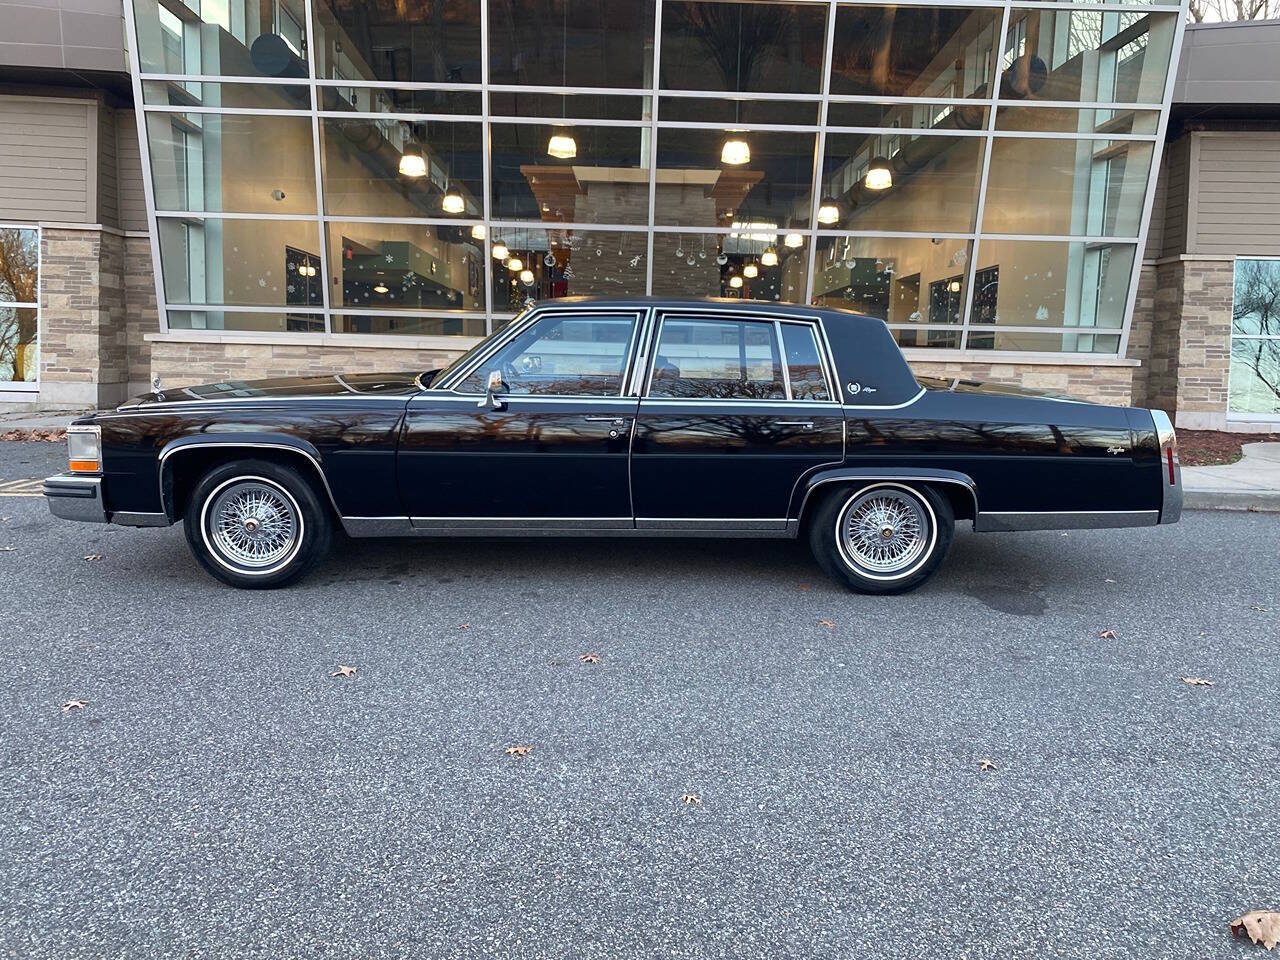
(770, 184)
(363, 162)
(706, 265)
(203, 93)
(900, 280)
(931, 182)
(240, 262)
(742, 47)
(235, 163)
(1070, 120)
(808, 382)
(1087, 55)
(1067, 187)
(19, 257)
(391, 100)
(565, 263)
(1063, 342)
(417, 41)
(609, 43)
(248, 41)
(719, 359)
(405, 266)
(1255, 307)
(248, 322)
(410, 326)
(914, 51)
(731, 111)
(941, 116)
(1255, 376)
(597, 175)
(19, 349)
(577, 106)
(579, 355)
(1026, 283)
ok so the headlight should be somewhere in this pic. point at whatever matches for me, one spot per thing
(84, 449)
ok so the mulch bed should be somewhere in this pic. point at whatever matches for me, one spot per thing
(1209, 448)
(42, 436)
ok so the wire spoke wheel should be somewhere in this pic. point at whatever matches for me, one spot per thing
(253, 524)
(885, 531)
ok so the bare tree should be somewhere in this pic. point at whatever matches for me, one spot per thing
(1213, 11)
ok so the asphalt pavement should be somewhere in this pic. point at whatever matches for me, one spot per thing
(221, 794)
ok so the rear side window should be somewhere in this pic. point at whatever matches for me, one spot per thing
(800, 344)
(717, 359)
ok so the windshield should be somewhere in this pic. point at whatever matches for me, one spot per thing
(440, 376)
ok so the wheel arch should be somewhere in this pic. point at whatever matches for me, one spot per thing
(959, 489)
(184, 461)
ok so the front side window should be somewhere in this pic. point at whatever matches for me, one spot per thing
(575, 355)
(717, 359)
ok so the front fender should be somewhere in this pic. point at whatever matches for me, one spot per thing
(814, 483)
(249, 442)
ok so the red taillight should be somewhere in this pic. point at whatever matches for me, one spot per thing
(1168, 456)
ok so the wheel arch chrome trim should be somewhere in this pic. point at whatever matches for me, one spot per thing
(905, 475)
(183, 444)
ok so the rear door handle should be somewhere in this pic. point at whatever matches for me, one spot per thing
(806, 424)
(616, 421)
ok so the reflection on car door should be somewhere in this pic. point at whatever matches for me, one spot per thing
(554, 455)
(736, 410)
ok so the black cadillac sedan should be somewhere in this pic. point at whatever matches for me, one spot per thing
(636, 417)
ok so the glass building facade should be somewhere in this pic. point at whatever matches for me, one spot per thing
(977, 174)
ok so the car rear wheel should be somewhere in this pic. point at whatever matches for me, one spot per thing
(882, 537)
(255, 524)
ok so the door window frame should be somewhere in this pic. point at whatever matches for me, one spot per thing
(730, 316)
(512, 331)
(28, 386)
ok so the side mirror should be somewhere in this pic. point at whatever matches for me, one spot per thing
(493, 387)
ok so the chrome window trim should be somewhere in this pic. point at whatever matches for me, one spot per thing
(178, 447)
(534, 316)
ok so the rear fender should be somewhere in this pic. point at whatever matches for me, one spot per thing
(950, 480)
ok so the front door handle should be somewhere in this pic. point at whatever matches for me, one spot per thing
(616, 421)
(806, 424)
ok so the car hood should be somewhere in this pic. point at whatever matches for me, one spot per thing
(288, 388)
(991, 389)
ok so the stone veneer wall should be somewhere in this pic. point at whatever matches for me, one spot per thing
(181, 363)
(1188, 357)
(141, 317)
(88, 279)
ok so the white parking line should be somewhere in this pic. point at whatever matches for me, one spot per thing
(20, 488)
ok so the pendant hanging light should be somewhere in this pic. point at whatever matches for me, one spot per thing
(477, 232)
(452, 201)
(751, 271)
(381, 288)
(793, 241)
(829, 212)
(562, 145)
(735, 281)
(735, 151)
(500, 251)
(526, 277)
(879, 175)
(515, 264)
(412, 161)
(770, 257)
(954, 286)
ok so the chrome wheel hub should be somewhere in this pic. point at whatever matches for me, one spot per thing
(253, 524)
(884, 531)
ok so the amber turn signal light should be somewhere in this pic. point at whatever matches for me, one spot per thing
(84, 449)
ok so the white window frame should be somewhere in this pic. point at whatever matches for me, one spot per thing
(28, 386)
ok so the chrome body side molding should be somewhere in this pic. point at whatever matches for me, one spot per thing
(129, 518)
(565, 527)
(1004, 521)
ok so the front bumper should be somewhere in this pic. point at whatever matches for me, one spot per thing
(74, 497)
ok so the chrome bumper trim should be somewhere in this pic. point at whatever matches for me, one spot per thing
(1171, 501)
(128, 518)
(1002, 521)
(72, 497)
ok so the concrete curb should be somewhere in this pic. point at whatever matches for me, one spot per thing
(1260, 501)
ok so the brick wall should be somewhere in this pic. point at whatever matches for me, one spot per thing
(1112, 385)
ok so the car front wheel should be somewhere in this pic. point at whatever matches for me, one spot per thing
(256, 524)
(882, 537)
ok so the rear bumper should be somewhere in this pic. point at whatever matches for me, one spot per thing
(73, 497)
(1170, 468)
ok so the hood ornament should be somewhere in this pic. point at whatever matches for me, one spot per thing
(155, 386)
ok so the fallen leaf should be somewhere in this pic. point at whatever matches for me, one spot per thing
(692, 799)
(343, 671)
(518, 750)
(1065, 534)
(987, 765)
(1107, 635)
(1262, 926)
(7, 549)
(74, 705)
(464, 626)
(1108, 580)
(805, 586)
(824, 622)
(1260, 608)
(93, 556)
(1197, 682)
(589, 658)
